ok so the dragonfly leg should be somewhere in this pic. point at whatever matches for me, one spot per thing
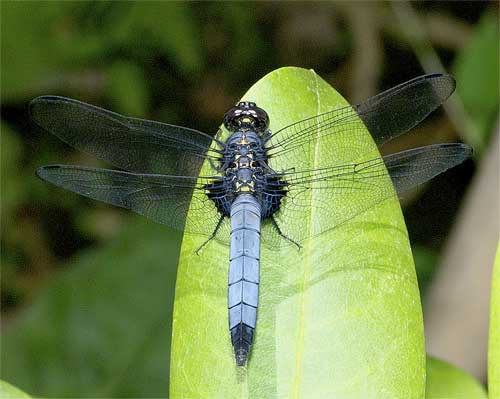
(219, 224)
(275, 224)
(283, 172)
(267, 135)
(217, 139)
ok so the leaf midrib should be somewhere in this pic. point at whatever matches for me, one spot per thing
(306, 269)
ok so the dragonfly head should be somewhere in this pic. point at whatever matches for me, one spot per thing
(246, 115)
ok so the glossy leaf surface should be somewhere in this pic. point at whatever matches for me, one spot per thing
(494, 335)
(447, 381)
(8, 391)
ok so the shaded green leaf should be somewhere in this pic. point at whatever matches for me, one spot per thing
(425, 263)
(127, 88)
(12, 187)
(446, 381)
(102, 328)
(169, 26)
(42, 40)
(341, 318)
(476, 70)
(239, 19)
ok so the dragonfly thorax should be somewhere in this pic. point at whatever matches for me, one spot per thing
(243, 150)
(243, 165)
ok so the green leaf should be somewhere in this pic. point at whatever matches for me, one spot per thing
(339, 319)
(102, 327)
(425, 263)
(11, 183)
(8, 391)
(170, 27)
(494, 337)
(127, 87)
(42, 42)
(476, 70)
(446, 381)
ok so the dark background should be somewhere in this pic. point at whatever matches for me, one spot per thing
(87, 289)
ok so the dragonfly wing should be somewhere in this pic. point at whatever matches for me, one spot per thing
(397, 110)
(411, 168)
(132, 144)
(340, 193)
(161, 198)
(386, 115)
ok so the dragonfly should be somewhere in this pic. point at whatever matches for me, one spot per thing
(253, 186)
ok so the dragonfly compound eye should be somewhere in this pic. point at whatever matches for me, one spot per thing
(246, 115)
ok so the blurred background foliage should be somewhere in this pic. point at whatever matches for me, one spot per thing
(87, 290)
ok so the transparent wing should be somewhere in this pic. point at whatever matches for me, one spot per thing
(161, 198)
(386, 115)
(136, 145)
(338, 194)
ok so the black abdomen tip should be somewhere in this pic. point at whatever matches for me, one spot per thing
(241, 357)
